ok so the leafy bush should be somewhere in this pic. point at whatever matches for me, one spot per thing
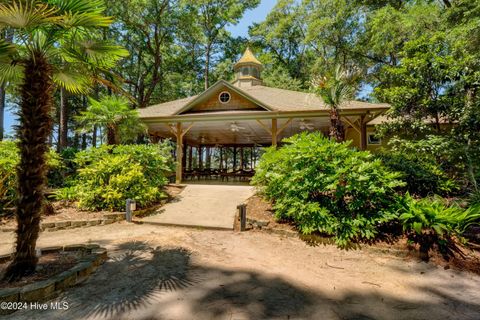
(432, 224)
(9, 159)
(422, 165)
(328, 187)
(108, 175)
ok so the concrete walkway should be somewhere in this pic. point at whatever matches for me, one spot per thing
(206, 206)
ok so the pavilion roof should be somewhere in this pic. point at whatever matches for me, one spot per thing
(277, 100)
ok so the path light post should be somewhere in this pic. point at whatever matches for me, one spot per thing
(130, 207)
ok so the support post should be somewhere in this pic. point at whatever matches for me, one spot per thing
(274, 132)
(200, 157)
(184, 156)
(190, 158)
(363, 133)
(220, 164)
(178, 133)
(234, 158)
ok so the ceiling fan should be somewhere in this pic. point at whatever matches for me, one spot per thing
(305, 125)
(234, 127)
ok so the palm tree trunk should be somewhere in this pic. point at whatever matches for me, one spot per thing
(35, 127)
(111, 135)
(336, 126)
(63, 123)
(2, 110)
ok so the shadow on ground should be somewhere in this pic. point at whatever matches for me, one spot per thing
(147, 283)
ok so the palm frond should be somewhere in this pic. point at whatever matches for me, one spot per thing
(82, 13)
(7, 50)
(78, 6)
(85, 20)
(74, 81)
(99, 53)
(11, 73)
(27, 14)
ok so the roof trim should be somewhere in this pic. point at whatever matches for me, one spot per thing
(212, 88)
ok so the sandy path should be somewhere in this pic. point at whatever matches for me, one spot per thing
(174, 273)
(209, 206)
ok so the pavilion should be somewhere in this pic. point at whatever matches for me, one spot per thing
(246, 114)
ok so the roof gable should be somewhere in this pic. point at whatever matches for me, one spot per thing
(208, 100)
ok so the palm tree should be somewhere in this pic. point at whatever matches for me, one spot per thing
(44, 31)
(114, 114)
(334, 91)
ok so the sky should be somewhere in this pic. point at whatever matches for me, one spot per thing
(241, 29)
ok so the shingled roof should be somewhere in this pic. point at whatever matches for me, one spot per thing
(279, 100)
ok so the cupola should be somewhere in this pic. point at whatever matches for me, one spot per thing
(248, 70)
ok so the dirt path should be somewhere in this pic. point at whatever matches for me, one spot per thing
(175, 273)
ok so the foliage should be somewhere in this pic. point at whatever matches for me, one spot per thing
(108, 175)
(422, 163)
(9, 160)
(430, 223)
(114, 114)
(328, 187)
(334, 91)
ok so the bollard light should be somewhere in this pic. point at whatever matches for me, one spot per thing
(131, 205)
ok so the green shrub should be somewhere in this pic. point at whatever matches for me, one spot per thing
(328, 187)
(422, 164)
(108, 175)
(9, 159)
(432, 224)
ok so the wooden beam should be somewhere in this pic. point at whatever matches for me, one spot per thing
(284, 126)
(352, 124)
(264, 126)
(274, 132)
(179, 136)
(188, 129)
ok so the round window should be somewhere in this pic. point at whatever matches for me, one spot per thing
(224, 97)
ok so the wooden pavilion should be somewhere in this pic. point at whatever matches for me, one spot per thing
(246, 114)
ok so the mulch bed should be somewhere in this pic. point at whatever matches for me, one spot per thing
(259, 209)
(49, 265)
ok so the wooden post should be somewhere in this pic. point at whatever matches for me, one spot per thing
(190, 158)
(178, 133)
(234, 158)
(200, 157)
(220, 165)
(363, 133)
(251, 157)
(184, 156)
(241, 158)
(274, 132)
(208, 157)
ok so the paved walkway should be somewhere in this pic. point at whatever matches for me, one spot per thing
(206, 206)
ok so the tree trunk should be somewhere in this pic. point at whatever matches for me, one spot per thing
(112, 136)
(207, 66)
(2, 110)
(84, 141)
(35, 127)
(94, 136)
(336, 126)
(63, 123)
